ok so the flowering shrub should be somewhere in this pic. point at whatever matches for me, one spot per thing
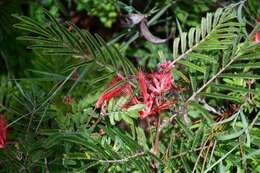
(82, 104)
(152, 88)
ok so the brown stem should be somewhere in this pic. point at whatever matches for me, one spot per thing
(201, 151)
(205, 159)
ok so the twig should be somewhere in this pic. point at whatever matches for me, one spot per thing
(208, 107)
(188, 51)
(46, 165)
(166, 122)
(184, 153)
(212, 79)
(96, 123)
(205, 159)
(201, 151)
(222, 158)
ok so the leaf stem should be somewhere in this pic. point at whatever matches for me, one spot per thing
(212, 79)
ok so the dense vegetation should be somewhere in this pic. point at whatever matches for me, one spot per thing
(130, 86)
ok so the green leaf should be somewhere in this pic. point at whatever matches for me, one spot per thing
(137, 107)
(232, 88)
(221, 96)
(246, 65)
(203, 111)
(224, 137)
(176, 47)
(221, 159)
(202, 57)
(192, 66)
(186, 129)
(240, 76)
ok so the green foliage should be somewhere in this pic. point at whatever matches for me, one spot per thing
(55, 126)
(105, 10)
(55, 39)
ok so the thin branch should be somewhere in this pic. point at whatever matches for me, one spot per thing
(206, 156)
(46, 165)
(212, 79)
(166, 122)
(189, 50)
(201, 151)
(187, 152)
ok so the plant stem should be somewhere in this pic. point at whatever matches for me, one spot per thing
(201, 151)
(157, 138)
(205, 159)
(212, 79)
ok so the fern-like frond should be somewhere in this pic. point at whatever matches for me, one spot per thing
(116, 111)
(94, 151)
(55, 39)
(215, 50)
(215, 33)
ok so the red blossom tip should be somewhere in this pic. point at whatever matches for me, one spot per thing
(124, 89)
(257, 37)
(3, 131)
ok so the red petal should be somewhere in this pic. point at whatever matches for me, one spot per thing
(115, 80)
(112, 93)
(164, 106)
(166, 66)
(142, 85)
(124, 89)
(257, 37)
(148, 109)
(3, 131)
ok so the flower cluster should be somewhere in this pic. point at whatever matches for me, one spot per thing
(3, 131)
(152, 89)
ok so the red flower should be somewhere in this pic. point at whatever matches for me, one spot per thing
(3, 131)
(152, 107)
(142, 86)
(166, 66)
(161, 82)
(124, 89)
(148, 109)
(167, 104)
(151, 87)
(257, 37)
